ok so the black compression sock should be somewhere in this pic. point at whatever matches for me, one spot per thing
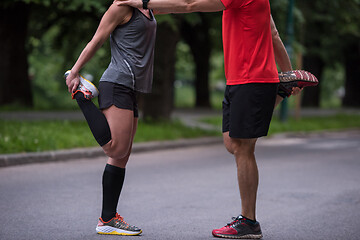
(95, 119)
(113, 179)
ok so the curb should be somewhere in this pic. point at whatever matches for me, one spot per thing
(7, 160)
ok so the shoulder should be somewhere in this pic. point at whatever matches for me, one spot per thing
(119, 12)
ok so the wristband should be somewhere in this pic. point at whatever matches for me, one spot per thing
(145, 3)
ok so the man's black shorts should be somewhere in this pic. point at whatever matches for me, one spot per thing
(248, 108)
(117, 95)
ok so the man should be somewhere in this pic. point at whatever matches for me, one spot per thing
(251, 45)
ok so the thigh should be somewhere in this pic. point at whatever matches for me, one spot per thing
(118, 95)
(122, 162)
(121, 123)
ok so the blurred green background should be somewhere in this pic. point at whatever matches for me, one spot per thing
(41, 39)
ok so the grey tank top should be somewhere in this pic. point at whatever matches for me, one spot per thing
(132, 53)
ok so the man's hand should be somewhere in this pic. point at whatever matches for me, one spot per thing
(292, 82)
(296, 91)
(132, 3)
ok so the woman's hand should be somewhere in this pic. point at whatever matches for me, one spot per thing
(72, 81)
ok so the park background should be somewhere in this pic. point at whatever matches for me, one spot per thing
(41, 39)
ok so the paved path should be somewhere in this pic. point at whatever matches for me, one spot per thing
(309, 189)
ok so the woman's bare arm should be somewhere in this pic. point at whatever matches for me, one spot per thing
(113, 17)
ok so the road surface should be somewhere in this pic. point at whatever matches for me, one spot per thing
(309, 189)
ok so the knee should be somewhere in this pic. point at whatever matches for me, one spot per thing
(116, 154)
(228, 143)
(229, 148)
(117, 151)
(243, 147)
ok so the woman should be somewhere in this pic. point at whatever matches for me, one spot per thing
(132, 38)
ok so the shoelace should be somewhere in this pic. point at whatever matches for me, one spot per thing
(235, 220)
(120, 218)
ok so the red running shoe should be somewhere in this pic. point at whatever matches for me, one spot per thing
(295, 78)
(239, 228)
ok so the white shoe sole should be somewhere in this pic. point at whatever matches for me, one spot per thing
(90, 86)
(115, 231)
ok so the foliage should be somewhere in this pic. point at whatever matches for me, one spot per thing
(324, 30)
(334, 26)
(326, 21)
(55, 44)
(73, 5)
(59, 29)
(333, 92)
(184, 65)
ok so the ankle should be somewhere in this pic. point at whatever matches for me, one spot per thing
(251, 220)
(79, 96)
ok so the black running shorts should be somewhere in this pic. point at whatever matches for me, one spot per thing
(117, 95)
(248, 108)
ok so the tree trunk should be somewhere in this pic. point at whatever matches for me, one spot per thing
(15, 86)
(198, 38)
(311, 95)
(159, 104)
(352, 70)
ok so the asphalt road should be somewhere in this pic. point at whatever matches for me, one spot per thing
(309, 189)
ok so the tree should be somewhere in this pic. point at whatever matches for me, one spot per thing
(336, 41)
(349, 31)
(15, 86)
(197, 37)
(24, 19)
(159, 104)
(196, 31)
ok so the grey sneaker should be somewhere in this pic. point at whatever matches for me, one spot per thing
(117, 226)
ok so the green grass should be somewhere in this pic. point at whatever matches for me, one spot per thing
(305, 124)
(168, 131)
(37, 136)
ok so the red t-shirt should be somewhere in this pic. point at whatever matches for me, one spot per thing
(248, 49)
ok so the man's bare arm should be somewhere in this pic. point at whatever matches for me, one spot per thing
(281, 56)
(177, 6)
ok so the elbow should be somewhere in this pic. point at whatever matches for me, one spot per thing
(276, 37)
(275, 33)
(190, 5)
